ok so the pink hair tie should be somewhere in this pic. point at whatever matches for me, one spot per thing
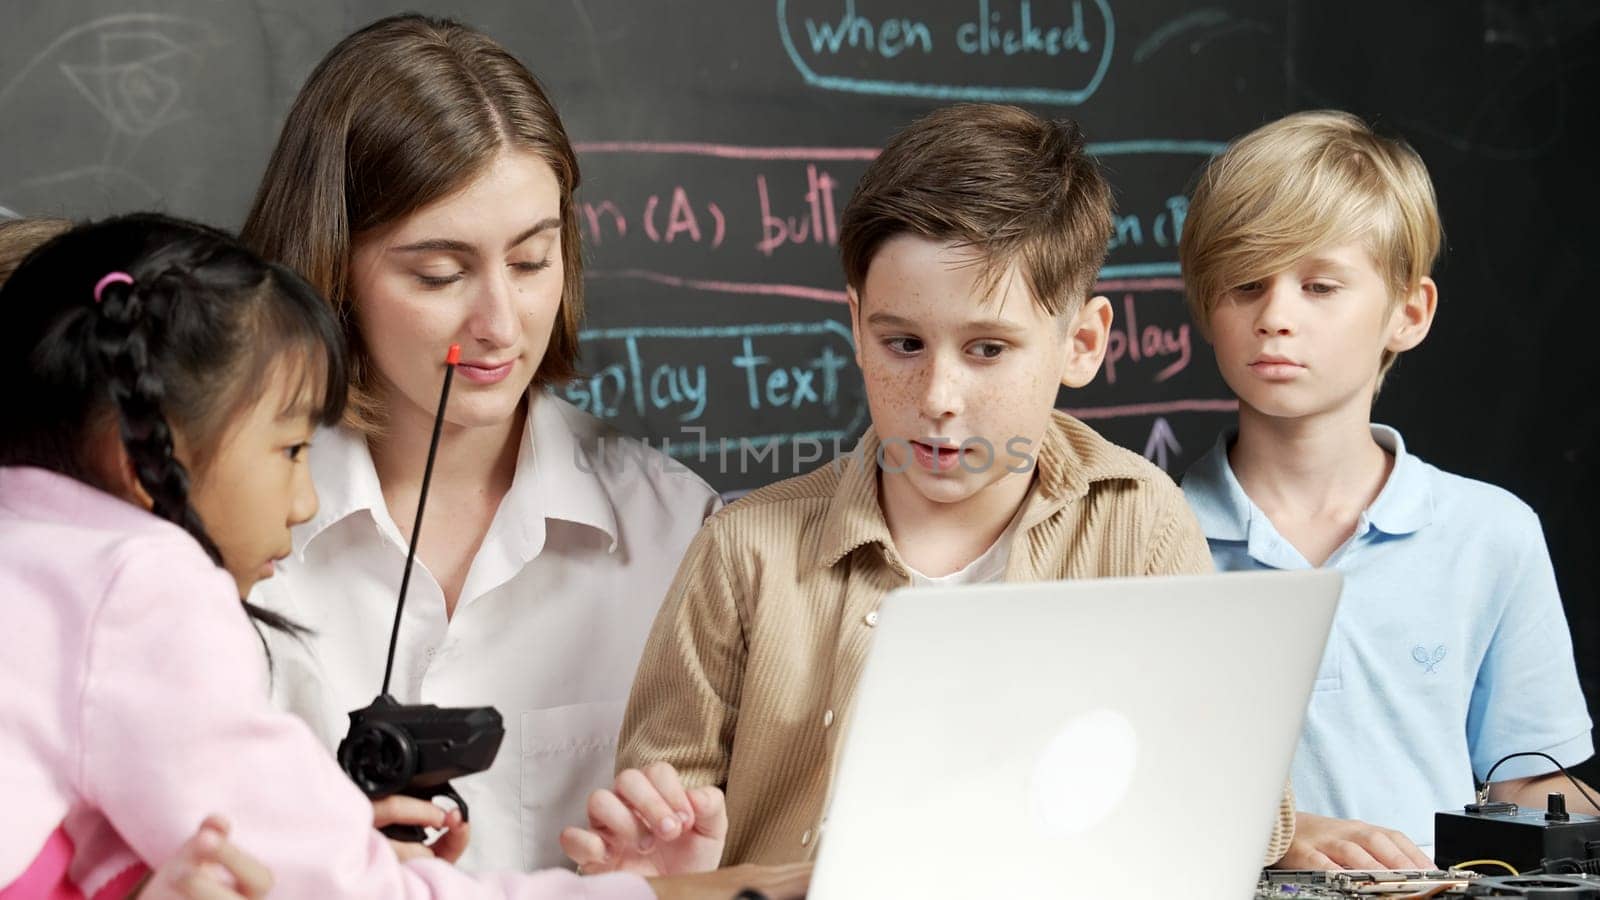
(110, 278)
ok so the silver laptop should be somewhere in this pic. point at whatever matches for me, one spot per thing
(1087, 739)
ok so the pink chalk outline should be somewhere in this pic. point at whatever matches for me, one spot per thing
(809, 154)
(729, 151)
(1138, 284)
(727, 287)
(1152, 409)
(801, 292)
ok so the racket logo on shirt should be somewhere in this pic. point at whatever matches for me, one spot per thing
(1429, 661)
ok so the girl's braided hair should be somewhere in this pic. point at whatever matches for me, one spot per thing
(183, 342)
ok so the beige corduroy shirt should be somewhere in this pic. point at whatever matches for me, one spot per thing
(753, 660)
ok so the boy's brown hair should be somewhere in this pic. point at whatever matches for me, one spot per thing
(1013, 187)
(1307, 181)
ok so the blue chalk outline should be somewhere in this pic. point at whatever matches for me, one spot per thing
(1053, 96)
(1120, 148)
(707, 450)
(1142, 270)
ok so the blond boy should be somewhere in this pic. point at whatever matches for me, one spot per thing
(1306, 255)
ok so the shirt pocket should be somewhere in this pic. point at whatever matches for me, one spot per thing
(567, 753)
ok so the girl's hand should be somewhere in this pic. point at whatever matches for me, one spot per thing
(208, 867)
(649, 824)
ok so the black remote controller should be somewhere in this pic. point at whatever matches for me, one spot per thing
(393, 748)
(414, 750)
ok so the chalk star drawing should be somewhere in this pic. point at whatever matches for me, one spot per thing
(134, 70)
(135, 83)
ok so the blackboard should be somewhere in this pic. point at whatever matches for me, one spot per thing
(719, 141)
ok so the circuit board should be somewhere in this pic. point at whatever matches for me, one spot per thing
(1396, 885)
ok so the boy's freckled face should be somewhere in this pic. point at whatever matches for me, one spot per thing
(1308, 339)
(946, 368)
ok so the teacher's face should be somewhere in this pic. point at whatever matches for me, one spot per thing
(481, 268)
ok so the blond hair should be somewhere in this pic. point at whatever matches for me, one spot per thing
(20, 237)
(1307, 181)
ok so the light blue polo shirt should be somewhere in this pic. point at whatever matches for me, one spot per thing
(1449, 649)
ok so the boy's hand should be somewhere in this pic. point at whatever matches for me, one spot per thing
(783, 882)
(208, 867)
(1324, 843)
(649, 824)
(396, 809)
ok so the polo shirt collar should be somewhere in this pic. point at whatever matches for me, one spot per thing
(1225, 512)
(1405, 504)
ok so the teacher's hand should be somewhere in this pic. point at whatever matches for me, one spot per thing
(401, 810)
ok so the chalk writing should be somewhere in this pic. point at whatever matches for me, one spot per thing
(768, 366)
(966, 60)
(985, 33)
(693, 214)
(819, 224)
(680, 220)
(762, 393)
(1152, 342)
(786, 386)
(990, 33)
(888, 39)
(1163, 230)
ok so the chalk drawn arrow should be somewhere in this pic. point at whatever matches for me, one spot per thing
(1161, 441)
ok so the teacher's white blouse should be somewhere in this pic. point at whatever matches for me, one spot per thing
(548, 629)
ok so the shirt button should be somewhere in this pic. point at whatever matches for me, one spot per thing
(872, 619)
(827, 718)
(805, 839)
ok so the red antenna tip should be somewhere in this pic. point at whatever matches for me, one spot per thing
(454, 356)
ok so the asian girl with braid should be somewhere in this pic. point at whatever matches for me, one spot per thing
(165, 383)
(208, 866)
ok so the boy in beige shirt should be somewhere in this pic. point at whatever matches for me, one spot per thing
(969, 248)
